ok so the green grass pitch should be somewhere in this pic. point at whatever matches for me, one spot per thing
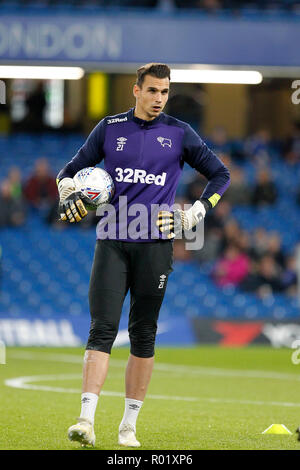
(199, 398)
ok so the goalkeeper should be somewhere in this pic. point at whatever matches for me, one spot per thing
(144, 151)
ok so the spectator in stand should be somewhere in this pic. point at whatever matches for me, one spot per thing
(232, 268)
(213, 233)
(257, 147)
(274, 249)
(40, 190)
(289, 276)
(291, 147)
(212, 247)
(244, 242)
(259, 243)
(269, 276)
(218, 218)
(12, 212)
(238, 192)
(251, 282)
(264, 192)
(231, 234)
(265, 279)
(218, 141)
(14, 177)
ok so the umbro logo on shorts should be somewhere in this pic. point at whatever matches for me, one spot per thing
(162, 280)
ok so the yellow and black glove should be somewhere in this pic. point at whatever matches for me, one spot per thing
(72, 208)
(172, 223)
(169, 223)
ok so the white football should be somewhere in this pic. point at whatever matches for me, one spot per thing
(96, 184)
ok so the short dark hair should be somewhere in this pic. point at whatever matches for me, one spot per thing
(155, 69)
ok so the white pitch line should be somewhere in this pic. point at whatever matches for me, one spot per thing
(55, 357)
(25, 383)
(178, 369)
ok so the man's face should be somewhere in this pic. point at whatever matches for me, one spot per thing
(152, 97)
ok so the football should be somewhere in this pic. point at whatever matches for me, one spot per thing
(96, 184)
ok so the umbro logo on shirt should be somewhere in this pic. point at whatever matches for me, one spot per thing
(121, 141)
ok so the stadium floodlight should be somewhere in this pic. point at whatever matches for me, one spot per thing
(243, 77)
(40, 72)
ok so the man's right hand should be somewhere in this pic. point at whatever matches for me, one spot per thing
(65, 187)
(71, 202)
(72, 208)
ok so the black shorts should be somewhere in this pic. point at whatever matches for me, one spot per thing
(141, 268)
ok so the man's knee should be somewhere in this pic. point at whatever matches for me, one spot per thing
(142, 340)
(102, 335)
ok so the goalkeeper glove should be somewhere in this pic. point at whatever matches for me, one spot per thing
(174, 222)
(65, 188)
(71, 203)
(72, 208)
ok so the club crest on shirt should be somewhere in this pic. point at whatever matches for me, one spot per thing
(164, 142)
(121, 141)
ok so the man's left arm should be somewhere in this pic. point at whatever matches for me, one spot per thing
(197, 154)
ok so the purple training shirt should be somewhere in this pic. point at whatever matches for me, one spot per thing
(145, 160)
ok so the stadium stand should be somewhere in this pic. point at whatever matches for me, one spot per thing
(37, 274)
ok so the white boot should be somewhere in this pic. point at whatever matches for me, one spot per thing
(127, 436)
(82, 432)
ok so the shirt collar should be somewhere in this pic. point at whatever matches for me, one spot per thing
(143, 122)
